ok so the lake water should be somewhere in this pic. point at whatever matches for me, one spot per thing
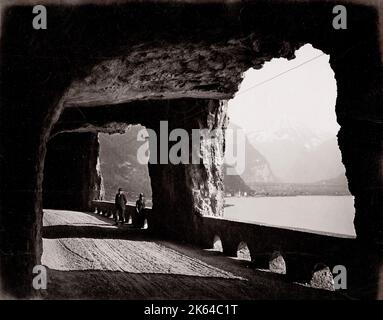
(332, 214)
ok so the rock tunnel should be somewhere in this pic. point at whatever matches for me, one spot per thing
(165, 61)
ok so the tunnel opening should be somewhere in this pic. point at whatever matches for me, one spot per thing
(217, 244)
(120, 166)
(293, 174)
(243, 251)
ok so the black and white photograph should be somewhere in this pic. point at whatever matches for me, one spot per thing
(213, 151)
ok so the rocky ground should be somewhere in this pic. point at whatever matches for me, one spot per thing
(90, 258)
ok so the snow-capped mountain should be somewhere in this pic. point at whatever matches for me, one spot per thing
(286, 129)
(257, 167)
(298, 154)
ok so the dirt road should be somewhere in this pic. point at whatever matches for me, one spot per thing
(90, 258)
(126, 255)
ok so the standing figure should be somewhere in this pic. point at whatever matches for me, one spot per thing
(120, 203)
(140, 212)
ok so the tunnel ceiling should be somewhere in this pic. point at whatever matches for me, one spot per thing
(167, 71)
(182, 51)
(194, 51)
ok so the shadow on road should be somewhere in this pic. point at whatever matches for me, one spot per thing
(95, 232)
(93, 284)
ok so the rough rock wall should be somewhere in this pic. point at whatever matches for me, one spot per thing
(184, 192)
(362, 145)
(71, 176)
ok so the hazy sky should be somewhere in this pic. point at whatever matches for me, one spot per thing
(306, 94)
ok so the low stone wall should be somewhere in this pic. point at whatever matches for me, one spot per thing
(107, 208)
(306, 257)
(301, 252)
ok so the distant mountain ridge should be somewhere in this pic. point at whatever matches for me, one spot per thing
(286, 157)
(340, 180)
(257, 167)
(120, 167)
(298, 154)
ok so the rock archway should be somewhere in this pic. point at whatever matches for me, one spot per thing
(181, 192)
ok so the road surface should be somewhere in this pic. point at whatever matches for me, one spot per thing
(90, 258)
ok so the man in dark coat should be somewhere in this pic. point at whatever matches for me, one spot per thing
(120, 203)
(140, 212)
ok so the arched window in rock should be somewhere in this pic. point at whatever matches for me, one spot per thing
(293, 175)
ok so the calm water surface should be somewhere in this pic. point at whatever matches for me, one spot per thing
(333, 214)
